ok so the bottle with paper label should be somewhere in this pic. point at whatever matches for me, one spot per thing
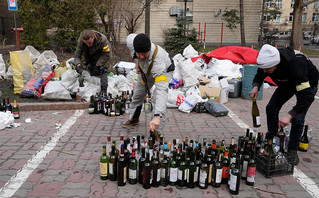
(255, 114)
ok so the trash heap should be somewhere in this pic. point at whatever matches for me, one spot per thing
(194, 80)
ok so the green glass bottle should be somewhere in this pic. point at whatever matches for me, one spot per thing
(104, 165)
(182, 171)
(132, 178)
(156, 169)
(173, 170)
(164, 171)
(113, 165)
(147, 173)
(191, 167)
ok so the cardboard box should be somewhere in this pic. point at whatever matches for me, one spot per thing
(213, 93)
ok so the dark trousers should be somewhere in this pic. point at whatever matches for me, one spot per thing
(278, 99)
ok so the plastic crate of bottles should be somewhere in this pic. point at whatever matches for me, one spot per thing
(275, 165)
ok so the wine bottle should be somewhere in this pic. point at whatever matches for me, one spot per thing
(182, 171)
(191, 167)
(78, 96)
(132, 178)
(235, 179)
(16, 110)
(210, 164)
(217, 174)
(147, 173)
(197, 164)
(245, 161)
(156, 169)
(203, 175)
(104, 165)
(8, 106)
(91, 105)
(164, 171)
(173, 170)
(281, 135)
(141, 163)
(226, 167)
(113, 165)
(122, 169)
(251, 170)
(255, 114)
(304, 142)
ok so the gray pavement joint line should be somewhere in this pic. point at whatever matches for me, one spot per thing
(15, 182)
(316, 97)
(309, 185)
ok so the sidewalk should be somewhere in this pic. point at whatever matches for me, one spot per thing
(76, 173)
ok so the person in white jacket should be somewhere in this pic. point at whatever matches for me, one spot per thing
(152, 64)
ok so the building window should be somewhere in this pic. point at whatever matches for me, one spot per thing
(278, 18)
(315, 17)
(268, 4)
(304, 17)
(292, 3)
(278, 4)
(267, 17)
(316, 5)
(291, 17)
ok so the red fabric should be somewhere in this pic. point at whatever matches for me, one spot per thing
(237, 54)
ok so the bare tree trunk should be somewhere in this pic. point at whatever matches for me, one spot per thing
(261, 39)
(242, 25)
(147, 17)
(296, 39)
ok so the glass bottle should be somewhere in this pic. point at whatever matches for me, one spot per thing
(182, 171)
(255, 114)
(226, 167)
(245, 161)
(16, 110)
(251, 170)
(122, 169)
(164, 171)
(173, 170)
(217, 174)
(147, 173)
(203, 175)
(304, 141)
(235, 179)
(8, 105)
(104, 165)
(132, 178)
(191, 167)
(141, 166)
(156, 169)
(113, 165)
(78, 96)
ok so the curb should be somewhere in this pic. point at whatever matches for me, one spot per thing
(53, 106)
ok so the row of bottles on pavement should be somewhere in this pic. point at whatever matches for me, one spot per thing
(6, 106)
(109, 105)
(187, 164)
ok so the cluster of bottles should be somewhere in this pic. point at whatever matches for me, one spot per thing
(188, 164)
(7, 107)
(109, 106)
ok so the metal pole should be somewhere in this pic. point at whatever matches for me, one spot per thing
(16, 31)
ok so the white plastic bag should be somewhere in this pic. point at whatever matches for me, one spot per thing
(34, 54)
(225, 68)
(175, 98)
(2, 67)
(88, 90)
(47, 57)
(124, 68)
(190, 75)
(54, 90)
(190, 52)
(6, 120)
(70, 79)
(9, 74)
(189, 103)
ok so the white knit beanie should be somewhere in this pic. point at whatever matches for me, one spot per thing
(268, 57)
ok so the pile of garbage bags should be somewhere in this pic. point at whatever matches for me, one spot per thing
(42, 75)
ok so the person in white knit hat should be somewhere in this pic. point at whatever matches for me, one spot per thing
(294, 74)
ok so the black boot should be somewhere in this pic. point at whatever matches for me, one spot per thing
(294, 159)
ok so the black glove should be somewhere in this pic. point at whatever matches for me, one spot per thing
(79, 69)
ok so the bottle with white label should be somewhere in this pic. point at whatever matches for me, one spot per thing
(182, 171)
(173, 170)
(132, 170)
(203, 175)
(164, 171)
(156, 168)
(191, 167)
(235, 179)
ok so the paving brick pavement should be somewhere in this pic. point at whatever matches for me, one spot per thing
(77, 175)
